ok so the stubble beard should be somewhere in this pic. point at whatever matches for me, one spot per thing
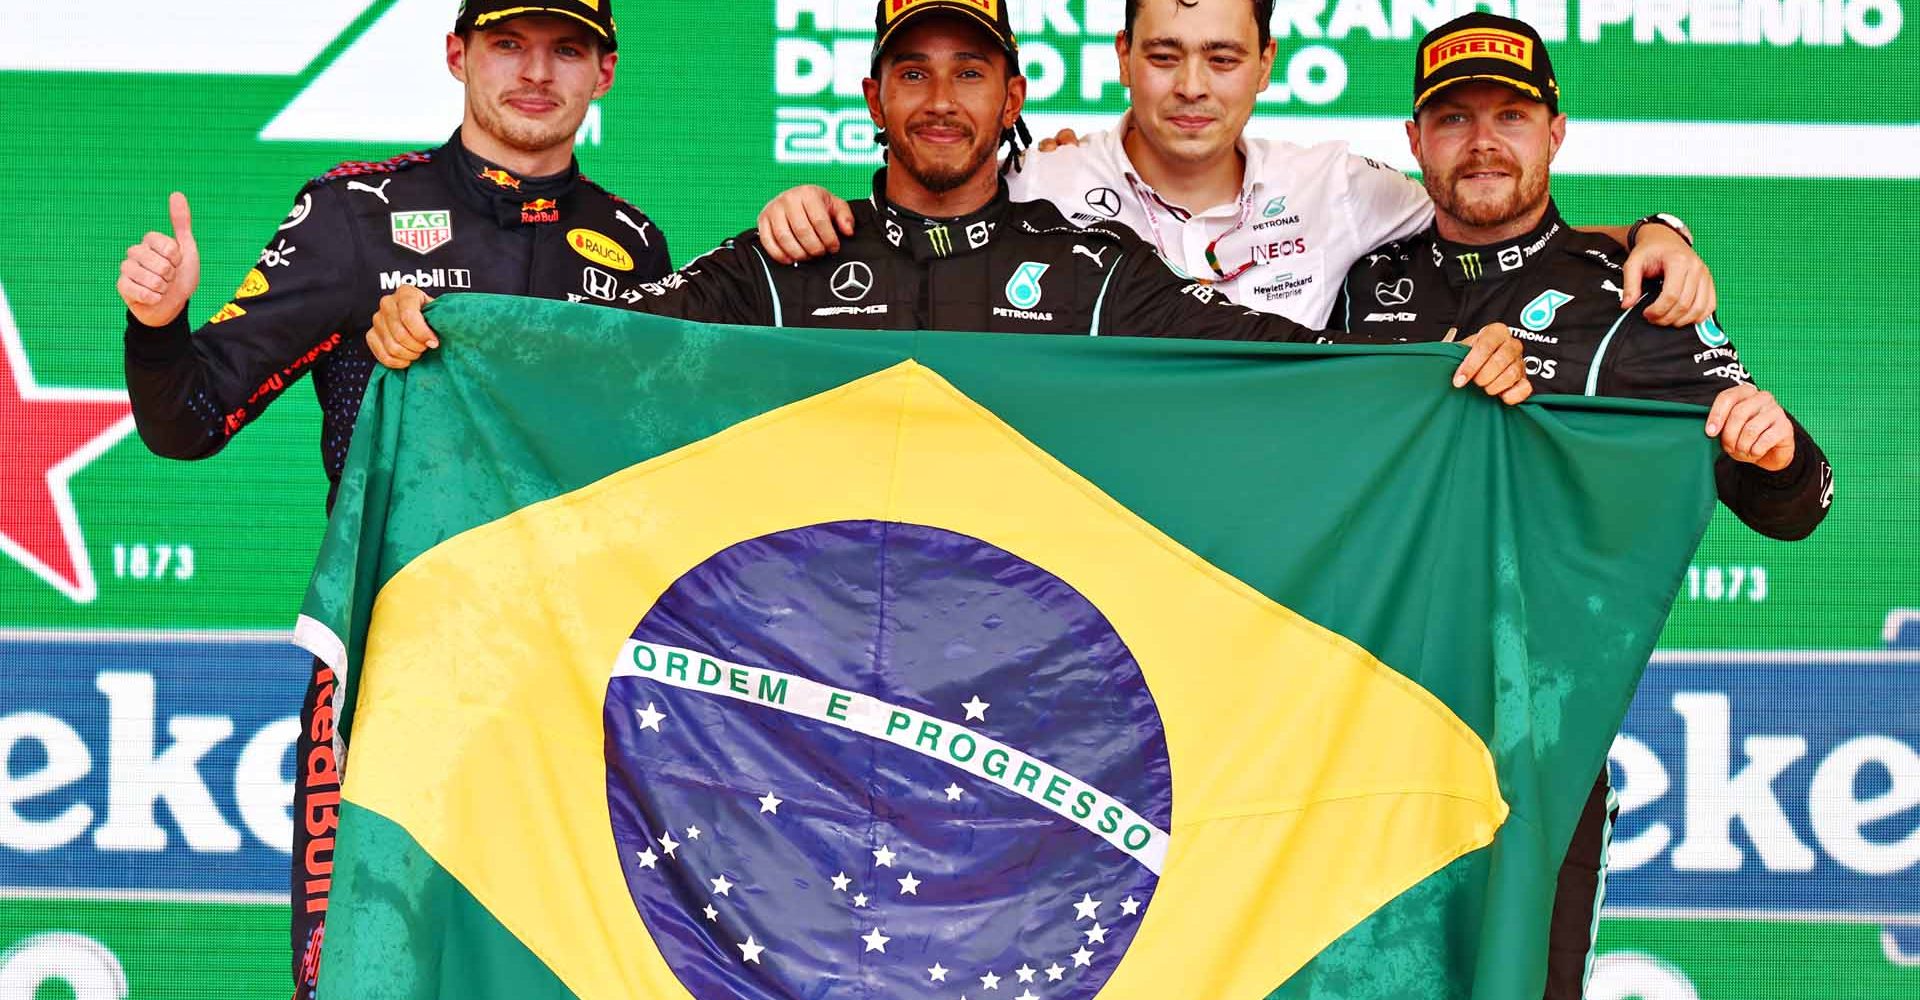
(520, 134)
(939, 178)
(1529, 193)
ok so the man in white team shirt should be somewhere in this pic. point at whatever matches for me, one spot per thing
(1279, 223)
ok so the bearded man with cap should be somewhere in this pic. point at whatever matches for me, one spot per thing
(941, 245)
(501, 207)
(1486, 125)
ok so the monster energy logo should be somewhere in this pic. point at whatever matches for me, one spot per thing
(942, 239)
(1470, 265)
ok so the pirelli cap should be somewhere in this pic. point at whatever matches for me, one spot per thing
(1483, 46)
(892, 15)
(595, 14)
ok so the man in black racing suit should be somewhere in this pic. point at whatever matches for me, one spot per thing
(501, 207)
(941, 246)
(1484, 130)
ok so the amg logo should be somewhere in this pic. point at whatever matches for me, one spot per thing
(874, 310)
(438, 277)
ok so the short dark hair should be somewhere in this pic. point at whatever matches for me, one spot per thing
(1262, 18)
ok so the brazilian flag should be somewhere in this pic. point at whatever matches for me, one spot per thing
(683, 661)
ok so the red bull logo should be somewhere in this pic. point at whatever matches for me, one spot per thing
(501, 178)
(540, 210)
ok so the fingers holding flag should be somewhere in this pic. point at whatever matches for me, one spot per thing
(1496, 363)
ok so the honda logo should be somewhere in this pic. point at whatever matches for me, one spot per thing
(600, 284)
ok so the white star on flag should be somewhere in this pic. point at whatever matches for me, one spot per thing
(953, 793)
(1026, 995)
(909, 886)
(650, 718)
(840, 882)
(1054, 972)
(859, 899)
(1096, 934)
(1129, 906)
(647, 858)
(750, 951)
(769, 804)
(883, 857)
(712, 914)
(668, 844)
(1086, 907)
(938, 973)
(976, 709)
(990, 981)
(1025, 972)
(1082, 957)
(693, 833)
(721, 885)
(876, 941)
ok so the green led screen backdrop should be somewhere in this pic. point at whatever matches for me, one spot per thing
(1769, 844)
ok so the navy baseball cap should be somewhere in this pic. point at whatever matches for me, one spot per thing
(595, 14)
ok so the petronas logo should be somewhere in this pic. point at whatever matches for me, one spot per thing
(1023, 289)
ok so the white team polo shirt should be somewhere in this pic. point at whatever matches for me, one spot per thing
(1305, 214)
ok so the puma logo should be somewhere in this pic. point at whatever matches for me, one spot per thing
(1090, 255)
(378, 192)
(635, 226)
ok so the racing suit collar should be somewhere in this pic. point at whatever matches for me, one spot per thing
(930, 238)
(512, 200)
(1465, 263)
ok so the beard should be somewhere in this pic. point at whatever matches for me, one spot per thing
(937, 177)
(1528, 193)
(521, 134)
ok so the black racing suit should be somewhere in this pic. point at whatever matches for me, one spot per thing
(441, 219)
(1011, 267)
(1559, 290)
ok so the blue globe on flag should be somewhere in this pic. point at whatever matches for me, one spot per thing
(869, 758)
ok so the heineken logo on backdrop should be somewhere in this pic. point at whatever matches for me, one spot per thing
(793, 801)
(39, 524)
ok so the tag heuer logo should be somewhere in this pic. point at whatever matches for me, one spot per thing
(423, 232)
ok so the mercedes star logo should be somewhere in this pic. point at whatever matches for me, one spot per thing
(1396, 294)
(1104, 200)
(852, 281)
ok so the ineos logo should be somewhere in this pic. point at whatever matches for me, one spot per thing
(851, 281)
(1104, 200)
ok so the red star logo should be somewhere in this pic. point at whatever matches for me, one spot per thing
(47, 435)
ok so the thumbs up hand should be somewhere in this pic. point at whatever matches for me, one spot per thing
(162, 272)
